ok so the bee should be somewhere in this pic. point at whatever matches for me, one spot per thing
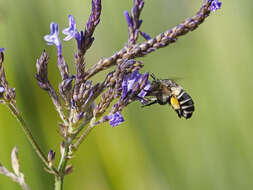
(167, 91)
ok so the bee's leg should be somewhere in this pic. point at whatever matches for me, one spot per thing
(144, 100)
(151, 103)
(179, 113)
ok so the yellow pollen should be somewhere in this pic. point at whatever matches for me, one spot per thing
(174, 103)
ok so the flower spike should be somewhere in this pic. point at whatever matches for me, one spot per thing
(53, 38)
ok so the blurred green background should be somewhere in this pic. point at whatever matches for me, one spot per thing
(153, 149)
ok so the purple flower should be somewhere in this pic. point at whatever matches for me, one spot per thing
(128, 19)
(135, 82)
(215, 5)
(53, 38)
(71, 31)
(144, 91)
(2, 50)
(145, 36)
(115, 119)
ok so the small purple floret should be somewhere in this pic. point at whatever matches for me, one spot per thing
(128, 82)
(216, 4)
(128, 19)
(71, 31)
(135, 80)
(53, 38)
(115, 119)
(2, 50)
(145, 36)
(144, 91)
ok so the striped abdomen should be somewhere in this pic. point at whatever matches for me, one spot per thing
(186, 105)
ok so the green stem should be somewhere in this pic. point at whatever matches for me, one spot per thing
(58, 183)
(83, 136)
(29, 136)
(64, 157)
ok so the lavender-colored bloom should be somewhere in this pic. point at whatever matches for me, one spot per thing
(135, 81)
(2, 50)
(115, 119)
(128, 19)
(216, 4)
(71, 31)
(53, 38)
(145, 36)
(128, 82)
(144, 91)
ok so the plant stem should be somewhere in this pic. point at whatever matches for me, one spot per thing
(64, 157)
(58, 182)
(83, 136)
(29, 136)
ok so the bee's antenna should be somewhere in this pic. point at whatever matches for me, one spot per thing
(153, 76)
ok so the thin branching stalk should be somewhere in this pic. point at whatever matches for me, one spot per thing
(132, 51)
(13, 177)
(84, 134)
(31, 139)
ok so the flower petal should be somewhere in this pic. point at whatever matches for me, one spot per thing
(53, 38)
(115, 119)
(216, 4)
(71, 31)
